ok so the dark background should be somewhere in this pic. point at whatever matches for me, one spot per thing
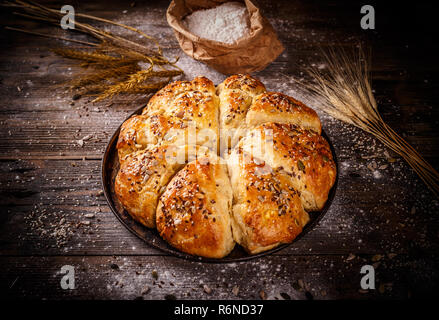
(385, 217)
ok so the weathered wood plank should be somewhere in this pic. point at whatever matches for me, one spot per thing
(280, 277)
(381, 206)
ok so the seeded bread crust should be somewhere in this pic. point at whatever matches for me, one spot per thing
(280, 108)
(236, 95)
(170, 114)
(302, 153)
(254, 189)
(144, 175)
(193, 214)
(267, 209)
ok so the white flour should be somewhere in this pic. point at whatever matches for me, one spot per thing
(225, 23)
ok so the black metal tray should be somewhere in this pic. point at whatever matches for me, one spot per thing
(109, 169)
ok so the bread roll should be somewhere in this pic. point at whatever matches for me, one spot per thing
(173, 177)
(144, 174)
(280, 108)
(164, 98)
(181, 113)
(132, 136)
(302, 153)
(193, 214)
(267, 210)
(236, 94)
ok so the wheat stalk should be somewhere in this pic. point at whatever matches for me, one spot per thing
(136, 80)
(126, 88)
(104, 74)
(344, 91)
(39, 12)
(113, 57)
(85, 56)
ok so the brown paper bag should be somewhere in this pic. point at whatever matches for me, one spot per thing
(248, 54)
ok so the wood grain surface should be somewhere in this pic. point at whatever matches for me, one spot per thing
(53, 211)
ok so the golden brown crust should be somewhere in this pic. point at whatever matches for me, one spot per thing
(193, 213)
(130, 137)
(140, 181)
(236, 94)
(184, 112)
(302, 153)
(144, 174)
(267, 210)
(243, 82)
(165, 97)
(278, 107)
(141, 131)
(288, 169)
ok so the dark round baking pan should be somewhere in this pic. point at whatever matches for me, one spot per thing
(109, 169)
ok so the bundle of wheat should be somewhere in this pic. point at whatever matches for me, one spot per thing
(343, 90)
(113, 63)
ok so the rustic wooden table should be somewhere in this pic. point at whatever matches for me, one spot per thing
(50, 184)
